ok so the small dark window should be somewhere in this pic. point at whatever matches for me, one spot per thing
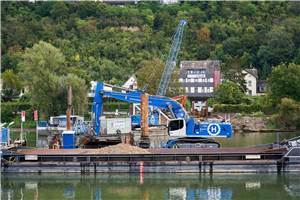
(176, 125)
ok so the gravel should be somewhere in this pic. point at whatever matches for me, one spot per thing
(122, 149)
(113, 149)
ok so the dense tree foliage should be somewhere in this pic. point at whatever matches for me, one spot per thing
(229, 93)
(284, 81)
(11, 85)
(149, 74)
(288, 115)
(110, 42)
(43, 71)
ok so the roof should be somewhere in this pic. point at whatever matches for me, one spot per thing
(200, 64)
(209, 65)
(252, 71)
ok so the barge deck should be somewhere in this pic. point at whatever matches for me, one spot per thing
(196, 160)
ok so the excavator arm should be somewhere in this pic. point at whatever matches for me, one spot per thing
(131, 96)
(181, 125)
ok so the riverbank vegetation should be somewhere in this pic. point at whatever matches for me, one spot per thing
(280, 105)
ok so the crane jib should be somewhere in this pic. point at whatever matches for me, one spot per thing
(171, 60)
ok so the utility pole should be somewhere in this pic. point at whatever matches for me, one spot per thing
(22, 120)
(68, 113)
(36, 118)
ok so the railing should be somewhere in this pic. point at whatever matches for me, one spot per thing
(139, 157)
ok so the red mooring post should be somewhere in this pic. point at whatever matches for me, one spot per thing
(141, 172)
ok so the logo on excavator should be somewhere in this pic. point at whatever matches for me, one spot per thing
(152, 120)
(213, 129)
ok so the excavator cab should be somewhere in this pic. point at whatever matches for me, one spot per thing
(177, 128)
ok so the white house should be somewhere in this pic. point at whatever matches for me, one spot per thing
(131, 83)
(251, 81)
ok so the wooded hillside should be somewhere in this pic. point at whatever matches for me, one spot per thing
(110, 42)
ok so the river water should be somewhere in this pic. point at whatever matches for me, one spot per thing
(151, 186)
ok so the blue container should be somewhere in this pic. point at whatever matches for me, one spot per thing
(69, 139)
(4, 136)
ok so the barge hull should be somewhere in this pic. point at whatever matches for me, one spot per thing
(259, 166)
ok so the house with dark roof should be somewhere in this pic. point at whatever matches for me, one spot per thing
(199, 79)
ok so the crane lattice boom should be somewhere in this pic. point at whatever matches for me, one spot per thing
(171, 61)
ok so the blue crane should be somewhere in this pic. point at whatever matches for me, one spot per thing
(171, 61)
(182, 126)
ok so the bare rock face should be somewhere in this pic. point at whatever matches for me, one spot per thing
(249, 124)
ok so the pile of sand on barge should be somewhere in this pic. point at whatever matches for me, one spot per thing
(121, 149)
(114, 149)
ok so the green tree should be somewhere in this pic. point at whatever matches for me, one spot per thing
(42, 69)
(289, 114)
(280, 46)
(229, 93)
(284, 82)
(233, 72)
(149, 74)
(11, 87)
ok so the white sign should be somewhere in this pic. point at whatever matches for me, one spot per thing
(31, 157)
(252, 157)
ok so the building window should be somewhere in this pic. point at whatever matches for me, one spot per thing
(249, 83)
(211, 89)
(211, 80)
(203, 80)
(192, 80)
(186, 89)
(180, 80)
(192, 90)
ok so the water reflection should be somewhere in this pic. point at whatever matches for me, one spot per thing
(210, 193)
(152, 186)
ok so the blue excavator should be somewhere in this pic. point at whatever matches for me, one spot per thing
(183, 130)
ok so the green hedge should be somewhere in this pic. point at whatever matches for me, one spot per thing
(237, 108)
(9, 110)
(112, 106)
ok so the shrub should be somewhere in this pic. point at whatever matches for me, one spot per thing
(288, 116)
(237, 108)
(10, 110)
